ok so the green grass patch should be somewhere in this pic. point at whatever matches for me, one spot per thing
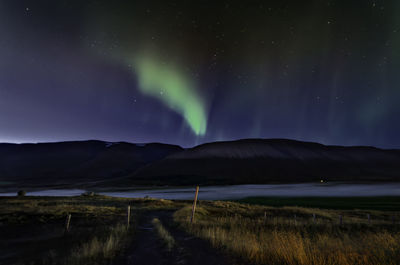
(345, 203)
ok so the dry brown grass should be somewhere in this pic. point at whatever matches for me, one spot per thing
(279, 239)
(102, 249)
(163, 234)
(20, 210)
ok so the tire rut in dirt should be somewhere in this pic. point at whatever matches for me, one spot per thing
(149, 249)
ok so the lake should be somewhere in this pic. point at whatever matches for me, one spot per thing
(242, 191)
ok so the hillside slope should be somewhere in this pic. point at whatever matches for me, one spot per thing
(75, 163)
(88, 163)
(269, 161)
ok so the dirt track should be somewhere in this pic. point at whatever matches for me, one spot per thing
(148, 248)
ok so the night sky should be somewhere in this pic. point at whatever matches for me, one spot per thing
(192, 72)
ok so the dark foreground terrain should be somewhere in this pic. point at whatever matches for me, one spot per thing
(149, 248)
(33, 231)
(90, 164)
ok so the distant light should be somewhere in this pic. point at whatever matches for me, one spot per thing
(322, 180)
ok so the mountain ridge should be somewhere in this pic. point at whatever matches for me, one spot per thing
(244, 161)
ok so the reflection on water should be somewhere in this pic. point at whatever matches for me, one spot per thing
(58, 192)
(242, 191)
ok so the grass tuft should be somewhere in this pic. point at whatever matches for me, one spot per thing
(164, 234)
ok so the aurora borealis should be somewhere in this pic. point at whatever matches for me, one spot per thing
(197, 71)
(169, 85)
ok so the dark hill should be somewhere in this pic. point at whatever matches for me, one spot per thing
(75, 163)
(271, 160)
(79, 164)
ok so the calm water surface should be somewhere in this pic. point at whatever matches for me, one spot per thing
(242, 191)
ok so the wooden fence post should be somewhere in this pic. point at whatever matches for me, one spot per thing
(67, 223)
(295, 220)
(340, 220)
(393, 220)
(194, 204)
(265, 217)
(313, 217)
(128, 216)
(369, 218)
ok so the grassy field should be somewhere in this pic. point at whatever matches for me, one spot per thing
(290, 235)
(253, 231)
(32, 228)
(366, 203)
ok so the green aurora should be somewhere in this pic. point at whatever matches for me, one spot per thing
(168, 83)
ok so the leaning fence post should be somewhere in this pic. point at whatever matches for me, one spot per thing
(194, 204)
(67, 222)
(128, 216)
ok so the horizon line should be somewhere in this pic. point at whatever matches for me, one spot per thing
(192, 146)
